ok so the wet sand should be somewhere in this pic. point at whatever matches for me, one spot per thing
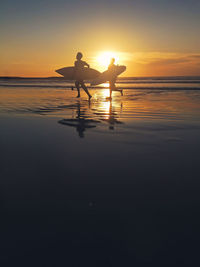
(100, 183)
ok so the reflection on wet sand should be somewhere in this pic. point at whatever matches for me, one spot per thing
(82, 120)
(110, 115)
(137, 104)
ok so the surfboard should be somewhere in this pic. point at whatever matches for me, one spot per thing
(70, 73)
(108, 75)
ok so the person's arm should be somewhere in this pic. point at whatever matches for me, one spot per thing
(86, 64)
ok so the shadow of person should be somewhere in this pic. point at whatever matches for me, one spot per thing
(81, 122)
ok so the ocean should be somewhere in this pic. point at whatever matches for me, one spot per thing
(167, 83)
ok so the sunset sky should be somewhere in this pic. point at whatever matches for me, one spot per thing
(150, 37)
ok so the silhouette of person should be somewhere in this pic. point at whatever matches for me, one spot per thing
(79, 66)
(112, 82)
(81, 122)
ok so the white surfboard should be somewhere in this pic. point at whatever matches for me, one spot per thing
(108, 75)
(70, 73)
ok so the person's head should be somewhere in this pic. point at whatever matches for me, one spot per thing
(79, 55)
(112, 61)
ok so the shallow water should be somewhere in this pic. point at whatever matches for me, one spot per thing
(99, 183)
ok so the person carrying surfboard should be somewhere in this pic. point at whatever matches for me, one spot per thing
(112, 82)
(79, 66)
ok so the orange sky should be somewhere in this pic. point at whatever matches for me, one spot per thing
(138, 64)
(152, 38)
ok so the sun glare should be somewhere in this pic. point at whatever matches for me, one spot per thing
(104, 58)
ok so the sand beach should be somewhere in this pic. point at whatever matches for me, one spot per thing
(104, 183)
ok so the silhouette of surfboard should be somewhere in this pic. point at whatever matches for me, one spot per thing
(108, 75)
(71, 73)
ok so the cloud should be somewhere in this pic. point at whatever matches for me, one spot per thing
(197, 56)
(170, 61)
(162, 59)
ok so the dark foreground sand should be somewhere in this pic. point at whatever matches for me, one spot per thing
(120, 188)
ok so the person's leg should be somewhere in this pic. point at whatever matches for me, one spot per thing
(85, 89)
(112, 87)
(78, 89)
(110, 92)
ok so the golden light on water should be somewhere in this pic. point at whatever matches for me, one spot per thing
(105, 85)
(106, 92)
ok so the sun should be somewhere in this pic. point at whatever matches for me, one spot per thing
(104, 58)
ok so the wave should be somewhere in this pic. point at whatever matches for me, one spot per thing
(141, 83)
(159, 81)
(101, 87)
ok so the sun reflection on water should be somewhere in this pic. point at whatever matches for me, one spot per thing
(105, 109)
(106, 85)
